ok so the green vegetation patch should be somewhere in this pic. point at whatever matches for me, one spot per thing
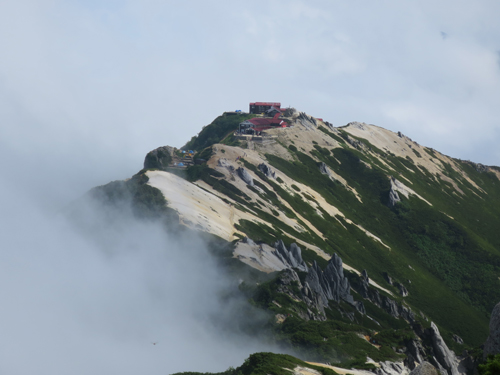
(215, 132)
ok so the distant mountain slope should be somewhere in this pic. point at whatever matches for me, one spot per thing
(416, 231)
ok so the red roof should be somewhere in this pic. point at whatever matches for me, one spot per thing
(259, 123)
(278, 105)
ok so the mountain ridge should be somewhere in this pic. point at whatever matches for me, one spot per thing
(418, 222)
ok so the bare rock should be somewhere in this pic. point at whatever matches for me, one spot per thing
(324, 169)
(392, 368)
(291, 257)
(268, 172)
(425, 368)
(402, 290)
(388, 278)
(415, 349)
(356, 143)
(224, 163)
(492, 345)
(306, 121)
(444, 356)
(331, 284)
(393, 197)
(245, 176)
(288, 283)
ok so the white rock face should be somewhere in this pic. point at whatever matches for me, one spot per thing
(398, 186)
(196, 207)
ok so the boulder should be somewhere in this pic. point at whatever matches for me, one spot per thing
(424, 369)
(245, 176)
(324, 169)
(492, 345)
(268, 172)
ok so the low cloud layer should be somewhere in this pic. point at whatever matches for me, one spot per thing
(124, 297)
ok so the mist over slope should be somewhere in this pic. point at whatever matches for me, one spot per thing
(108, 293)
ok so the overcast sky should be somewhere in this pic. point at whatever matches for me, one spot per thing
(101, 83)
(88, 87)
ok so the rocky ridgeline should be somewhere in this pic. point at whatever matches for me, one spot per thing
(292, 257)
(331, 284)
(320, 287)
(307, 121)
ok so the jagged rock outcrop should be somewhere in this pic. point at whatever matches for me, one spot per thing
(289, 282)
(393, 197)
(443, 355)
(268, 172)
(306, 121)
(245, 176)
(331, 127)
(291, 257)
(159, 158)
(391, 368)
(425, 368)
(492, 345)
(388, 278)
(397, 311)
(324, 169)
(366, 292)
(331, 284)
(356, 143)
(415, 353)
(386, 303)
(402, 290)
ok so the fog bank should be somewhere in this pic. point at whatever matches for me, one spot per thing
(125, 297)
